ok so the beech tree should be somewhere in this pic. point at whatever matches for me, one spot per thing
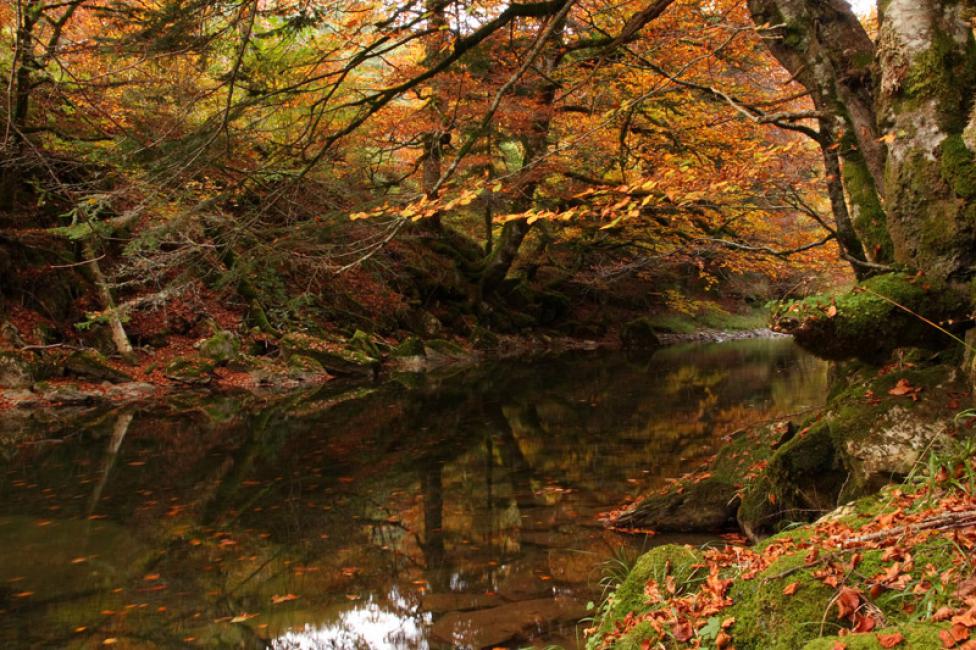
(901, 104)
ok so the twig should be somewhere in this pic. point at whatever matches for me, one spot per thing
(941, 522)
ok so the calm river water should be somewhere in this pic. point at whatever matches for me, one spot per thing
(452, 511)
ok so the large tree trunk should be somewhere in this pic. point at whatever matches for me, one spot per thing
(822, 44)
(927, 61)
(536, 146)
(908, 161)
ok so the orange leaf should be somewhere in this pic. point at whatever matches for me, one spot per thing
(277, 600)
(891, 640)
(791, 588)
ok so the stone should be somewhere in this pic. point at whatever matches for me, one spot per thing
(130, 391)
(409, 347)
(220, 348)
(302, 368)
(497, 625)
(333, 357)
(704, 507)
(15, 370)
(70, 395)
(190, 370)
(91, 364)
(639, 334)
(440, 603)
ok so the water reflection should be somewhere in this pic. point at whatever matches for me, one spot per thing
(452, 511)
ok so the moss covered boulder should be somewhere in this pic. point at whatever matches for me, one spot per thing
(302, 368)
(876, 428)
(194, 371)
(882, 314)
(335, 358)
(682, 564)
(221, 348)
(91, 364)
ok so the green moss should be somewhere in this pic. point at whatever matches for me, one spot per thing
(959, 167)
(870, 221)
(637, 638)
(768, 620)
(946, 73)
(362, 342)
(680, 562)
(445, 347)
(409, 347)
(916, 636)
(873, 319)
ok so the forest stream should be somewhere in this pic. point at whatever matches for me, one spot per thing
(422, 512)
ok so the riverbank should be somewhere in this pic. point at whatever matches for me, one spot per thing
(33, 375)
(885, 476)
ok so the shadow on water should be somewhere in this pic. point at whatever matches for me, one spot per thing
(452, 511)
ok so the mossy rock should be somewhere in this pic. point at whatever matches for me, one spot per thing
(221, 348)
(362, 342)
(868, 323)
(15, 370)
(334, 358)
(301, 367)
(411, 346)
(639, 334)
(917, 636)
(682, 563)
(707, 506)
(190, 370)
(765, 619)
(445, 347)
(804, 476)
(91, 364)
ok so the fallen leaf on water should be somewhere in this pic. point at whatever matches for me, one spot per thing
(149, 577)
(240, 618)
(110, 641)
(24, 594)
(283, 599)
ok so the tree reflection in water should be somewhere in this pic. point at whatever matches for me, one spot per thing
(455, 510)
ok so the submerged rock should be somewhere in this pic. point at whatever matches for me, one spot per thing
(497, 625)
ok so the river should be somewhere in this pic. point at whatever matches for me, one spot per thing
(456, 510)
